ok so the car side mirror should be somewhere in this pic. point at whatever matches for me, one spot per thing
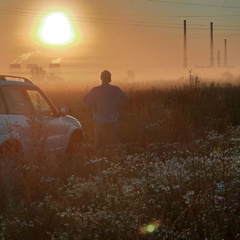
(63, 110)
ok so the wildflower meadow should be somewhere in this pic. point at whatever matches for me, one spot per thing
(175, 175)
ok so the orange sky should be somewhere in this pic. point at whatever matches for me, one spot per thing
(137, 35)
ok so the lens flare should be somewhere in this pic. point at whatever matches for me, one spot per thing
(149, 228)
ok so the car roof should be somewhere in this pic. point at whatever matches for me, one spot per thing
(14, 80)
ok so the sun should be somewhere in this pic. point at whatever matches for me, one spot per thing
(56, 29)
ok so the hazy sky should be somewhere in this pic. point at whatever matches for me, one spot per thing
(124, 35)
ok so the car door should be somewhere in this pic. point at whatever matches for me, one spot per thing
(48, 120)
(15, 108)
(32, 117)
(3, 117)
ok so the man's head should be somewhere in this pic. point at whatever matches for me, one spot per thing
(105, 76)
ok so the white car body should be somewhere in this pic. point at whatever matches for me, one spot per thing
(28, 117)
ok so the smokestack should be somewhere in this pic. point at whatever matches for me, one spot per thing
(185, 44)
(211, 46)
(225, 53)
(218, 58)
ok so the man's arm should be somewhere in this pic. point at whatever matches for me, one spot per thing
(124, 96)
(88, 100)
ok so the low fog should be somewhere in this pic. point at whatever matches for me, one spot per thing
(56, 74)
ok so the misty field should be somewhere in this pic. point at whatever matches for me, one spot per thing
(176, 174)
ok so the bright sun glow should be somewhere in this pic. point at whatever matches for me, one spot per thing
(56, 29)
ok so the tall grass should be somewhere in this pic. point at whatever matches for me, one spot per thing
(175, 176)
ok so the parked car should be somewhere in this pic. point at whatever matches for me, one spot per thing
(30, 122)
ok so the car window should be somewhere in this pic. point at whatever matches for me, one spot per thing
(40, 105)
(2, 106)
(17, 101)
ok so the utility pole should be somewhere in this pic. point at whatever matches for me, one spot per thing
(211, 46)
(185, 44)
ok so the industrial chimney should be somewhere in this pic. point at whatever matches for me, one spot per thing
(211, 46)
(225, 53)
(218, 58)
(185, 44)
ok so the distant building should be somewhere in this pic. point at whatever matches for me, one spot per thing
(54, 65)
(15, 66)
(31, 65)
(54, 68)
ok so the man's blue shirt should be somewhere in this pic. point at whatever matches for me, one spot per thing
(104, 101)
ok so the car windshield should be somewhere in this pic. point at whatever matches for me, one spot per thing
(40, 105)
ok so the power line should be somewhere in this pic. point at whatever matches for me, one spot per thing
(33, 12)
(136, 23)
(193, 4)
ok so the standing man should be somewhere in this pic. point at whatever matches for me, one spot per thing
(104, 100)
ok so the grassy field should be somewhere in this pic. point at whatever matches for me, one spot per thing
(176, 174)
